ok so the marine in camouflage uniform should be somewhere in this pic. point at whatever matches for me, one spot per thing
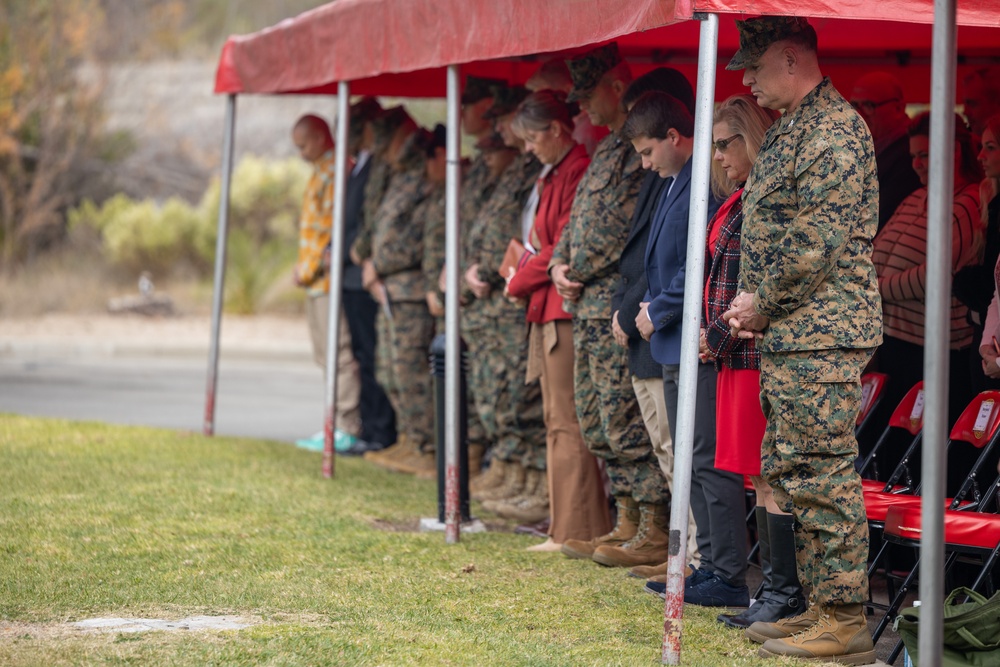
(397, 256)
(477, 187)
(384, 127)
(591, 246)
(810, 211)
(512, 407)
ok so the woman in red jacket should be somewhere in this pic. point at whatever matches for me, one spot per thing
(577, 502)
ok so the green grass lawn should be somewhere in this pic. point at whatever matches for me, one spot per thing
(99, 521)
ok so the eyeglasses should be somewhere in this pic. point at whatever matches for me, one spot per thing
(870, 106)
(722, 144)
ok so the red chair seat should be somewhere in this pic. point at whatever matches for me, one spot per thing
(877, 504)
(872, 485)
(967, 529)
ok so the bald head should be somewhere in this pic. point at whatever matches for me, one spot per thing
(311, 135)
(878, 97)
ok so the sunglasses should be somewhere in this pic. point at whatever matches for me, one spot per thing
(722, 144)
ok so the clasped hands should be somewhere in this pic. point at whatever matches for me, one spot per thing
(744, 320)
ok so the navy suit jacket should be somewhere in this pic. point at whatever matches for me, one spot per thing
(354, 215)
(666, 259)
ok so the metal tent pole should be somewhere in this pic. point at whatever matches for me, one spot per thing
(226, 176)
(940, 198)
(687, 388)
(336, 273)
(453, 354)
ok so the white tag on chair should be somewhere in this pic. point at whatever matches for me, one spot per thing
(983, 418)
(917, 414)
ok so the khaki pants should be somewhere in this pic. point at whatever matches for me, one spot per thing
(578, 506)
(649, 393)
(346, 406)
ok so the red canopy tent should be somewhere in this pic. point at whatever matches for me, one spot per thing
(404, 47)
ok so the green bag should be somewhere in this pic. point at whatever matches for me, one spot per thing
(971, 630)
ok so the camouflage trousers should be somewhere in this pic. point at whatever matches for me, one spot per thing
(509, 409)
(811, 401)
(609, 414)
(403, 369)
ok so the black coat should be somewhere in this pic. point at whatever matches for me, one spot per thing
(632, 285)
(896, 178)
(354, 214)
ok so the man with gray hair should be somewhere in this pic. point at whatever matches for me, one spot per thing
(810, 294)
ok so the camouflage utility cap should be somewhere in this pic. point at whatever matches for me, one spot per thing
(505, 101)
(587, 70)
(757, 34)
(479, 88)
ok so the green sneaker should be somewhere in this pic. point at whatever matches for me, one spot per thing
(342, 441)
(313, 443)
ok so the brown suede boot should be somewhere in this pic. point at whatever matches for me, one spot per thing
(648, 571)
(760, 632)
(624, 530)
(513, 484)
(650, 544)
(840, 635)
(533, 505)
(492, 478)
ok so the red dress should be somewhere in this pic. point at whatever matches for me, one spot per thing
(739, 420)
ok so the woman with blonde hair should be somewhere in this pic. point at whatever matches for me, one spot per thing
(738, 132)
(577, 504)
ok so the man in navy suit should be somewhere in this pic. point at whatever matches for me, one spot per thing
(661, 129)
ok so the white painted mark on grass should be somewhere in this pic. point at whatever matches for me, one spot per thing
(149, 624)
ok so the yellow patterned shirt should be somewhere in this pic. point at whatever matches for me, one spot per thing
(315, 222)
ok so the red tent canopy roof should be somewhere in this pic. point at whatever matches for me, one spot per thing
(401, 47)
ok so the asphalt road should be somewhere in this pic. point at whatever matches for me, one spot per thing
(278, 398)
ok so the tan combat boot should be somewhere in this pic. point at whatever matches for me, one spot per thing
(499, 505)
(492, 478)
(513, 484)
(403, 449)
(530, 507)
(624, 530)
(423, 465)
(650, 544)
(840, 635)
(760, 632)
(476, 460)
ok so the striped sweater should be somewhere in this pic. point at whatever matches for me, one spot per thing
(900, 258)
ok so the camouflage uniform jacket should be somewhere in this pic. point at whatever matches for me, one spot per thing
(398, 239)
(810, 210)
(498, 222)
(431, 213)
(375, 189)
(598, 226)
(478, 186)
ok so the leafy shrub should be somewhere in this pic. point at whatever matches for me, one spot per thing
(142, 235)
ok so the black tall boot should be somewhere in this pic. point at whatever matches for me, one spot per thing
(786, 598)
(749, 615)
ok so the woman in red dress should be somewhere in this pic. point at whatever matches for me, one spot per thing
(740, 125)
